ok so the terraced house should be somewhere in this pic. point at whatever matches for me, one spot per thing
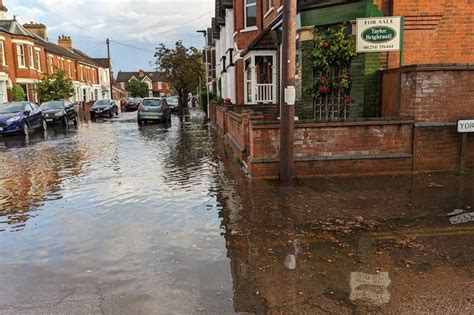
(27, 55)
(156, 81)
(246, 35)
(429, 83)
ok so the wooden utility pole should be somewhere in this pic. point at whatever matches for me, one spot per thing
(110, 71)
(287, 98)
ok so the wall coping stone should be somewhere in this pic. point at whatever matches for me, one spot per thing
(405, 120)
(433, 67)
(235, 115)
(336, 158)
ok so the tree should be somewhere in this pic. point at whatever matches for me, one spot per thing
(183, 68)
(137, 88)
(18, 94)
(55, 87)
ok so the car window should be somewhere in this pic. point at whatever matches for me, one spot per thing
(52, 105)
(29, 107)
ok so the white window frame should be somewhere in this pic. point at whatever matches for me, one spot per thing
(31, 57)
(270, 9)
(51, 64)
(3, 91)
(20, 51)
(246, 6)
(2, 47)
(69, 69)
(38, 59)
(82, 73)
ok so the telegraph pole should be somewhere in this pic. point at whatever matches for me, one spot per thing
(288, 94)
(206, 47)
(110, 71)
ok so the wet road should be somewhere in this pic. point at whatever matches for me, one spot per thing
(115, 218)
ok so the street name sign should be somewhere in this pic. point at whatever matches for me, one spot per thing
(379, 34)
(466, 125)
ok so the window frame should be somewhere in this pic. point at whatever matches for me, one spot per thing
(31, 57)
(21, 56)
(3, 55)
(38, 60)
(246, 7)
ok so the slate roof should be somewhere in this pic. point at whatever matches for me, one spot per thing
(13, 27)
(103, 62)
(155, 76)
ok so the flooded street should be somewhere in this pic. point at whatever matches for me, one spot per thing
(116, 218)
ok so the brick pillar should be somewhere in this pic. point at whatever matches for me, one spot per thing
(245, 128)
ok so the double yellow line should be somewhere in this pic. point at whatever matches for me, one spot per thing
(426, 232)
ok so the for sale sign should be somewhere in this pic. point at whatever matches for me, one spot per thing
(379, 34)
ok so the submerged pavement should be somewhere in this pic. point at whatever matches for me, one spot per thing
(116, 218)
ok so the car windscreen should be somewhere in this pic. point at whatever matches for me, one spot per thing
(172, 101)
(11, 108)
(52, 105)
(102, 103)
(151, 102)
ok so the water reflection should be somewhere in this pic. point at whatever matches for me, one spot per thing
(159, 217)
(33, 170)
(345, 245)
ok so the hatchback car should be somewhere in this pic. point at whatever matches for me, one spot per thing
(153, 109)
(172, 103)
(104, 108)
(20, 117)
(132, 104)
(61, 112)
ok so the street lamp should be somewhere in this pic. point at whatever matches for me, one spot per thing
(204, 32)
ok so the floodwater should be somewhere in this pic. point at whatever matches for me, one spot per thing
(116, 218)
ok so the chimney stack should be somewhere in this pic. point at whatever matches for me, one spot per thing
(38, 29)
(141, 73)
(3, 11)
(65, 41)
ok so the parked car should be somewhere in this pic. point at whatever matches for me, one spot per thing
(133, 103)
(20, 117)
(61, 112)
(172, 103)
(153, 109)
(104, 108)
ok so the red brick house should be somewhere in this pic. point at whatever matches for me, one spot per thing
(26, 55)
(156, 81)
(408, 130)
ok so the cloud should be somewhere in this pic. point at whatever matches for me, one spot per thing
(143, 23)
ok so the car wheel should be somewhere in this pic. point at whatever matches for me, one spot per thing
(44, 125)
(25, 129)
(92, 116)
(66, 121)
(111, 114)
(75, 120)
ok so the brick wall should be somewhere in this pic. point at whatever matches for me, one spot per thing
(360, 147)
(438, 94)
(236, 132)
(436, 31)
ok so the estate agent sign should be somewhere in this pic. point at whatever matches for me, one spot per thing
(379, 34)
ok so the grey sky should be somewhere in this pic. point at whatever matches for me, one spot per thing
(138, 23)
